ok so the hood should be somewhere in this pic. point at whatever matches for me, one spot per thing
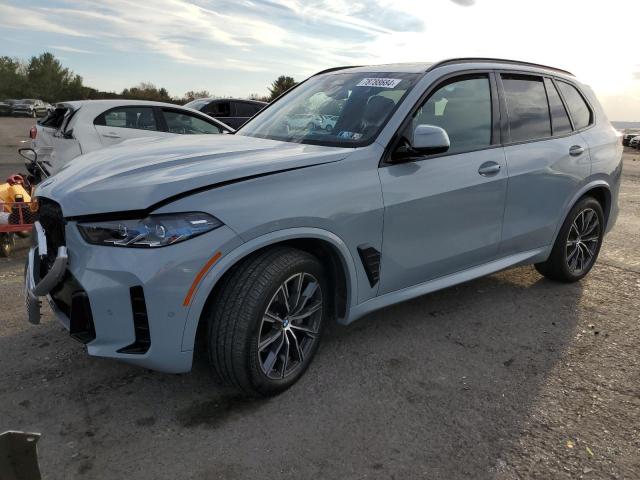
(140, 173)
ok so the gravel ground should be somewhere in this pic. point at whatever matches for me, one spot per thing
(506, 377)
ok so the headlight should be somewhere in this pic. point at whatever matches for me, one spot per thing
(153, 231)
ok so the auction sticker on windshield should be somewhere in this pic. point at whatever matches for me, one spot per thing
(379, 82)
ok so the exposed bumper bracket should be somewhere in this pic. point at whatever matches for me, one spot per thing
(32, 290)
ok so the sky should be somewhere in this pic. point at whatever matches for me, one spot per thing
(237, 48)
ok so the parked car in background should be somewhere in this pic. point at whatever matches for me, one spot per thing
(634, 142)
(29, 107)
(233, 112)
(304, 121)
(75, 128)
(626, 138)
(6, 106)
(433, 175)
(328, 122)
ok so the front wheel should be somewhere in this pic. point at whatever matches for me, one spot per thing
(578, 243)
(265, 323)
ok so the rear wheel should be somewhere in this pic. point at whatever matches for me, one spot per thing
(264, 327)
(578, 243)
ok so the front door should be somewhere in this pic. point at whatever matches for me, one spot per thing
(443, 213)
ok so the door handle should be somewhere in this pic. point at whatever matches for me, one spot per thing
(111, 135)
(576, 151)
(488, 169)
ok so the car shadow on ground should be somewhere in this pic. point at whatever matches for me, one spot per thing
(438, 386)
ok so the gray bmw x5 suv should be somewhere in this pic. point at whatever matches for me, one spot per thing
(432, 175)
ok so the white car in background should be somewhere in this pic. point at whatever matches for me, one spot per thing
(635, 142)
(75, 128)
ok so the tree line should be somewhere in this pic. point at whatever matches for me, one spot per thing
(44, 77)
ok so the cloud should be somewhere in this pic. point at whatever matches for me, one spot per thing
(65, 48)
(19, 18)
(298, 36)
(464, 3)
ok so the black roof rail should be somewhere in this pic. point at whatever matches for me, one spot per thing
(333, 69)
(451, 61)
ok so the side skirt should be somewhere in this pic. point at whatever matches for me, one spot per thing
(391, 298)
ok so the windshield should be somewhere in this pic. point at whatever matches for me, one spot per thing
(341, 110)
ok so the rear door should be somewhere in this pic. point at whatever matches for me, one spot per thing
(122, 123)
(546, 156)
(443, 213)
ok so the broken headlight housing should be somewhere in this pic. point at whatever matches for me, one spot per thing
(152, 231)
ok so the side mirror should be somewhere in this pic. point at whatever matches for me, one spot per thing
(28, 154)
(429, 140)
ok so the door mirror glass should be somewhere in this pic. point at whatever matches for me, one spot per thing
(28, 154)
(430, 140)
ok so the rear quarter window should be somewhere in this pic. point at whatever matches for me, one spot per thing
(580, 111)
(55, 118)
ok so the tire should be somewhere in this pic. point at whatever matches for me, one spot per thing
(7, 243)
(250, 329)
(577, 246)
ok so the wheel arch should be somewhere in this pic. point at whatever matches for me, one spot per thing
(600, 190)
(325, 245)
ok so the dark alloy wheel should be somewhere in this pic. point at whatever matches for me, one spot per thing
(290, 326)
(265, 320)
(583, 241)
(578, 243)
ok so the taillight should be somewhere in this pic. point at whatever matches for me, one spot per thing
(33, 133)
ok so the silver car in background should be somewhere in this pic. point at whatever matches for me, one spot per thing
(74, 128)
(432, 175)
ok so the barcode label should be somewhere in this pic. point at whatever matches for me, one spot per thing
(379, 82)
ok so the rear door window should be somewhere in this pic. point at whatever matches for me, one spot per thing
(219, 109)
(187, 124)
(141, 118)
(245, 109)
(580, 111)
(527, 107)
(560, 122)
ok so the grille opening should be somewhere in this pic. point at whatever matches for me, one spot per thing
(80, 319)
(140, 323)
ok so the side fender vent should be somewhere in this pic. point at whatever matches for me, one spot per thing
(371, 262)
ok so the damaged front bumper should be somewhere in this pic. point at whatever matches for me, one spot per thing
(35, 285)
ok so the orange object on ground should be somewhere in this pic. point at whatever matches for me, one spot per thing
(8, 194)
